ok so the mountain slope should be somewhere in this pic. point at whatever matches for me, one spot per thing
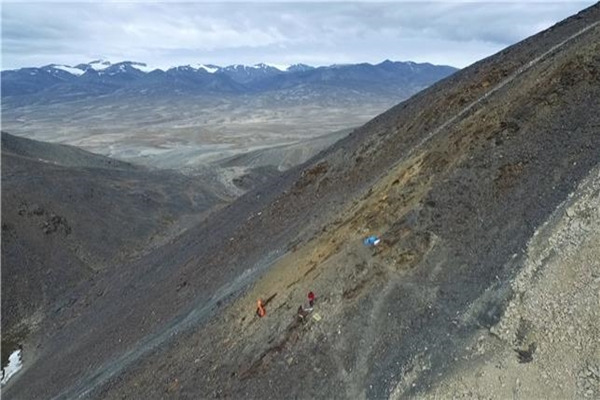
(67, 156)
(460, 187)
(67, 215)
(457, 181)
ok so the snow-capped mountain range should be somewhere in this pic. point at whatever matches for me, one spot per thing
(102, 76)
(101, 65)
(106, 67)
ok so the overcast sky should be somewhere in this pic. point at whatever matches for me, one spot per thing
(167, 33)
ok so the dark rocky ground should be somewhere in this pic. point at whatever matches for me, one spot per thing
(457, 181)
(69, 215)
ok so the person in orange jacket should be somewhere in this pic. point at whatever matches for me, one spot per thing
(260, 309)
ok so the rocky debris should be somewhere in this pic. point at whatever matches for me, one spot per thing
(254, 177)
(526, 356)
(551, 321)
(56, 223)
(508, 174)
(310, 175)
(588, 380)
(52, 222)
(29, 210)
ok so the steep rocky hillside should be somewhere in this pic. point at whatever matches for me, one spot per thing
(484, 190)
(67, 215)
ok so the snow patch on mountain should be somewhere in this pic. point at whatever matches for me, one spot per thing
(15, 363)
(281, 67)
(99, 65)
(211, 69)
(144, 67)
(71, 70)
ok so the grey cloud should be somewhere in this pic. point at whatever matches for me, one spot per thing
(223, 33)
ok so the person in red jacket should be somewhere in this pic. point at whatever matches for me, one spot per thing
(311, 299)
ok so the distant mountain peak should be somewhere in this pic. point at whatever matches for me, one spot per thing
(66, 68)
(299, 68)
(280, 67)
